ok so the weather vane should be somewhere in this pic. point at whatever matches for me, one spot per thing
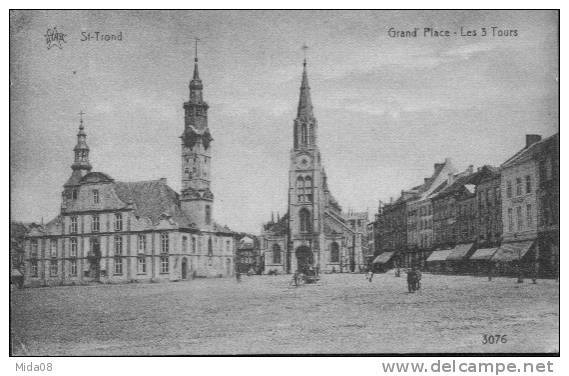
(81, 113)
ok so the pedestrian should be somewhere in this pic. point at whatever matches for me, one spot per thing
(238, 276)
(370, 274)
(411, 278)
(418, 276)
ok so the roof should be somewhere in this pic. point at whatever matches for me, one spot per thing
(483, 254)
(246, 243)
(512, 251)
(278, 228)
(96, 177)
(152, 199)
(528, 152)
(465, 182)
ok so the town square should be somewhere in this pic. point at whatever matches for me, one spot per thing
(342, 313)
(242, 194)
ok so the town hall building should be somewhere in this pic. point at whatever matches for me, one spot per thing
(111, 231)
(314, 233)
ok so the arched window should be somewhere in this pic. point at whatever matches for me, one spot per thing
(305, 221)
(276, 254)
(334, 252)
(300, 188)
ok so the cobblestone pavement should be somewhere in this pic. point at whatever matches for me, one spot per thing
(343, 313)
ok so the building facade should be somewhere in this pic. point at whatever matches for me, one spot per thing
(489, 207)
(420, 213)
(110, 231)
(530, 206)
(314, 233)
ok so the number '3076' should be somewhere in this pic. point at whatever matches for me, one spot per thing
(494, 339)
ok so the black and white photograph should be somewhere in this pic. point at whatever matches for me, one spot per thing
(284, 182)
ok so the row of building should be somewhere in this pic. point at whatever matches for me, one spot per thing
(112, 231)
(501, 215)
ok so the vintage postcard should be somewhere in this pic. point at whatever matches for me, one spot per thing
(193, 182)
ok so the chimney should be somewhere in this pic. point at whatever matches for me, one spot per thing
(163, 180)
(447, 160)
(532, 139)
(391, 200)
(471, 169)
(450, 179)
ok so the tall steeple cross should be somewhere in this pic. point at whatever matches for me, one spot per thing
(196, 49)
(304, 49)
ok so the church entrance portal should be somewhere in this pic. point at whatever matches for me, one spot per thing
(304, 258)
(184, 268)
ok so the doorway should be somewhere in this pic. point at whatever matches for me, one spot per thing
(184, 268)
(304, 258)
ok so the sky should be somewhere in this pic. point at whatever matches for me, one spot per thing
(388, 108)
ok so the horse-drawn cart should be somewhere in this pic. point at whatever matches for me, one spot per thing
(305, 276)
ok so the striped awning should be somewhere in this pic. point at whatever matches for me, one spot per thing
(512, 251)
(383, 258)
(439, 255)
(460, 251)
(483, 254)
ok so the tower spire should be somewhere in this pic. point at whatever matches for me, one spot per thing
(305, 101)
(196, 73)
(81, 163)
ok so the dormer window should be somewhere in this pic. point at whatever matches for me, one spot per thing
(74, 194)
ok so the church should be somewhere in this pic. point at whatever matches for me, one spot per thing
(314, 233)
(111, 231)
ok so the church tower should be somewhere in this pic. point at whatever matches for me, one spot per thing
(196, 195)
(80, 166)
(306, 198)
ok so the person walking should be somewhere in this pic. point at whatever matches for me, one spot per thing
(411, 278)
(418, 276)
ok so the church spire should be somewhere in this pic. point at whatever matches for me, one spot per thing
(196, 85)
(305, 101)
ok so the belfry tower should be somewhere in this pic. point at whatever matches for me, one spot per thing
(81, 165)
(196, 195)
(306, 197)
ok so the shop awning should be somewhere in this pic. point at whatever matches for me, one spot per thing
(512, 251)
(460, 251)
(483, 254)
(383, 258)
(16, 273)
(439, 255)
